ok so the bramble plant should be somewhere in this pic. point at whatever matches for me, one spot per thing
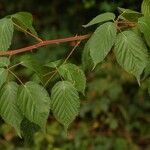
(127, 36)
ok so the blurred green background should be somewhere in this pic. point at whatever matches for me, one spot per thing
(115, 113)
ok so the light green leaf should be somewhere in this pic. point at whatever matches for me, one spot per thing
(102, 41)
(65, 102)
(34, 101)
(24, 20)
(144, 24)
(101, 18)
(87, 63)
(9, 110)
(129, 14)
(145, 8)
(4, 62)
(3, 76)
(6, 33)
(131, 53)
(73, 74)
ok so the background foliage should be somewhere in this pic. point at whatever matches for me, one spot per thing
(115, 113)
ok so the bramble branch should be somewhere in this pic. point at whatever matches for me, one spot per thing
(44, 43)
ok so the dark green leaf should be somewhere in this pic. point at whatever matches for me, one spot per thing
(87, 63)
(33, 100)
(65, 102)
(54, 64)
(4, 62)
(24, 20)
(102, 41)
(129, 14)
(101, 18)
(6, 33)
(131, 53)
(32, 64)
(8, 106)
(3, 76)
(28, 130)
(73, 74)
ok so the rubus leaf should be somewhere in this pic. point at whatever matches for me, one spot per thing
(54, 64)
(145, 7)
(4, 62)
(146, 70)
(65, 102)
(131, 53)
(101, 18)
(24, 20)
(144, 24)
(33, 65)
(9, 110)
(87, 63)
(34, 101)
(3, 76)
(73, 74)
(129, 14)
(102, 41)
(6, 33)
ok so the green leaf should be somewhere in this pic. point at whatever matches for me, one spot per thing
(87, 63)
(65, 102)
(6, 33)
(54, 64)
(33, 65)
(146, 70)
(131, 53)
(145, 8)
(102, 41)
(120, 144)
(144, 24)
(129, 14)
(24, 20)
(28, 130)
(73, 74)
(101, 18)
(33, 100)
(9, 110)
(3, 76)
(4, 62)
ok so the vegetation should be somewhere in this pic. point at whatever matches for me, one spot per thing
(102, 83)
